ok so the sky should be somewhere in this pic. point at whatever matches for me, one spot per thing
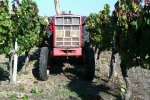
(80, 7)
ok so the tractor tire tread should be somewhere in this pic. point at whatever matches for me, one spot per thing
(43, 64)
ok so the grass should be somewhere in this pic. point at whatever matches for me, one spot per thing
(64, 94)
(21, 87)
(36, 91)
(11, 95)
(24, 73)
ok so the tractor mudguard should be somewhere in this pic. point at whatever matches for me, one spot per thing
(48, 33)
(85, 37)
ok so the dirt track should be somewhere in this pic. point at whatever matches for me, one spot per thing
(67, 82)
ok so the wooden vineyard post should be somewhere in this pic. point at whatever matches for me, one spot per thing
(15, 62)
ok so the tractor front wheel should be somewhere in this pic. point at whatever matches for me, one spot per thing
(43, 70)
(90, 64)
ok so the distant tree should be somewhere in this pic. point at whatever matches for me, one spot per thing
(63, 12)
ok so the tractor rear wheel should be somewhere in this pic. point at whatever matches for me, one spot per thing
(90, 64)
(43, 70)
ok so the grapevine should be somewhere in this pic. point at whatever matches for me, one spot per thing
(133, 21)
(6, 36)
(23, 23)
(27, 24)
(128, 26)
(99, 28)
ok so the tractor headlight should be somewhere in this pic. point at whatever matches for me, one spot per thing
(74, 33)
(60, 34)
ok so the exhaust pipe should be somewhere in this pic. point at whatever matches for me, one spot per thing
(57, 7)
(69, 12)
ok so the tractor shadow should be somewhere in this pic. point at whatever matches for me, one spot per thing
(21, 61)
(86, 90)
(35, 58)
(56, 67)
(4, 74)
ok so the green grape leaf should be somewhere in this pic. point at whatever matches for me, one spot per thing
(6, 50)
(147, 56)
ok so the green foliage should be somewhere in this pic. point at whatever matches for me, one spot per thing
(134, 37)
(27, 24)
(25, 72)
(99, 28)
(25, 97)
(21, 87)
(5, 28)
(22, 22)
(35, 82)
(22, 97)
(11, 95)
(123, 89)
(36, 91)
(132, 29)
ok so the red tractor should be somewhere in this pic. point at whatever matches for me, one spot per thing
(67, 37)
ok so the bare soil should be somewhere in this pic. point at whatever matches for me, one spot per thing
(67, 81)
